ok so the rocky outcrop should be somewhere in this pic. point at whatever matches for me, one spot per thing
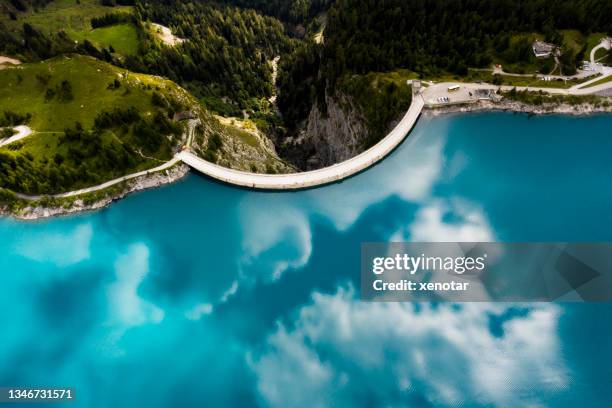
(242, 147)
(336, 135)
(521, 107)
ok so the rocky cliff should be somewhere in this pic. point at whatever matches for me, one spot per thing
(237, 144)
(332, 136)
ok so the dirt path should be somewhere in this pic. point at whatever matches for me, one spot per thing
(165, 35)
(274, 65)
(22, 132)
(605, 43)
(319, 37)
(102, 186)
(6, 61)
(176, 159)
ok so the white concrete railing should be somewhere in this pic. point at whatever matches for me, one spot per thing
(313, 178)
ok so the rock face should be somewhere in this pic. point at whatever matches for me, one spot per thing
(336, 135)
(243, 147)
(520, 107)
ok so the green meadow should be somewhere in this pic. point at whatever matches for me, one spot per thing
(62, 91)
(24, 90)
(122, 37)
(67, 15)
(75, 19)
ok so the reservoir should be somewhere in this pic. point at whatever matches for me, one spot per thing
(199, 293)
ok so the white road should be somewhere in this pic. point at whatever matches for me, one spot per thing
(578, 75)
(313, 178)
(433, 92)
(22, 132)
(341, 170)
(605, 43)
(190, 134)
(606, 72)
(4, 61)
(102, 186)
(358, 163)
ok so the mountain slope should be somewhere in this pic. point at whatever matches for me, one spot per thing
(93, 122)
(323, 84)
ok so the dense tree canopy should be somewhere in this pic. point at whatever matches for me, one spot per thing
(430, 37)
(364, 35)
(225, 58)
(226, 54)
(294, 11)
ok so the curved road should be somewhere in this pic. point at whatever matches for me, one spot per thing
(605, 43)
(313, 178)
(22, 131)
(337, 171)
(190, 134)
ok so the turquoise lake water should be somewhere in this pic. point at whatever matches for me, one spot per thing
(200, 294)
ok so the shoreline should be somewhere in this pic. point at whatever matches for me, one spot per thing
(506, 105)
(77, 204)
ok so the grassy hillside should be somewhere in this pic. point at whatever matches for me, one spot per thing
(75, 19)
(68, 15)
(122, 37)
(238, 144)
(92, 122)
(25, 89)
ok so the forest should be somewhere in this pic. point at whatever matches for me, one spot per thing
(86, 157)
(291, 11)
(224, 63)
(431, 38)
(226, 60)
(226, 56)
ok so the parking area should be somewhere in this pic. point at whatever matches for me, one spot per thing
(442, 95)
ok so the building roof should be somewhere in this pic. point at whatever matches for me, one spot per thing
(543, 48)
